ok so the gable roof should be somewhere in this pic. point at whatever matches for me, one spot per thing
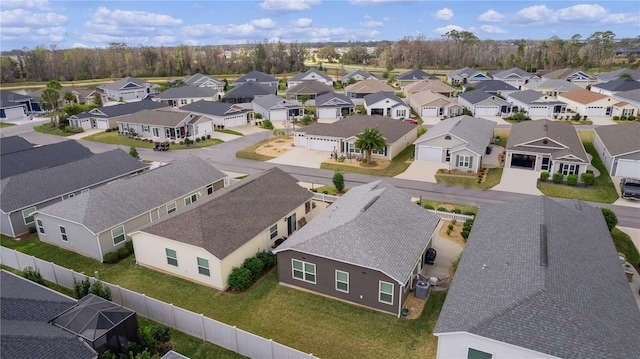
(255, 76)
(104, 207)
(122, 109)
(368, 86)
(528, 131)
(530, 97)
(221, 222)
(160, 118)
(214, 108)
(492, 86)
(613, 75)
(40, 157)
(477, 132)
(186, 92)
(249, 89)
(415, 74)
(426, 97)
(620, 139)
(392, 130)
(310, 87)
(631, 95)
(374, 225)
(18, 191)
(373, 98)
(623, 84)
(524, 279)
(477, 96)
(565, 73)
(582, 96)
(556, 84)
(331, 99)
(301, 76)
(11, 144)
(273, 101)
(194, 79)
(464, 72)
(122, 84)
(364, 74)
(426, 85)
(12, 99)
(512, 71)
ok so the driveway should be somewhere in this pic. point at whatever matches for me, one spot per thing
(519, 181)
(424, 171)
(302, 158)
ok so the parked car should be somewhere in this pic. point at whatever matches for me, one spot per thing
(411, 121)
(630, 188)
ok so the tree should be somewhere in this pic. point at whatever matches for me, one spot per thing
(69, 97)
(338, 181)
(51, 98)
(328, 53)
(97, 100)
(133, 152)
(609, 217)
(370, 139)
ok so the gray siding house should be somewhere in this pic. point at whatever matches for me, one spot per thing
(366, 248)
(98, 221)
(15, 162)
(619, 148)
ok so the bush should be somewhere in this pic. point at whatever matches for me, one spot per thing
(133, 152)
(576, 117)
(453, 221)
(254, 265)
(616, 118)
(450, 227)
(588, 179)
(631, 118)
(544, 176)
(572, 180)
(421, 131)
(456, 211)
(107, 130)
(129, 246)
(123, 252)
(267, 258)
(198, 139)
(33, 274)
(32, 229)
(111, 257)
(204, 138)
(428, 206)
(449, 230)
(623, 118)
(267, 124)
(240, 278)
(81, 288)
(188, 141)
(97, 288)
(610, 217)
(465, 234)
(84, 287)
(558, 178)
(442, 209)
(469, 213)
(208, 137)
(338, 181)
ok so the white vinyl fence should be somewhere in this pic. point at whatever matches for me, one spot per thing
(449, 216)
(194, 324)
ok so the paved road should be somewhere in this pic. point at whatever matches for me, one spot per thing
(223, 157)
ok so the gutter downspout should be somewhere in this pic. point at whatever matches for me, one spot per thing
(99, 248)
(400, 300)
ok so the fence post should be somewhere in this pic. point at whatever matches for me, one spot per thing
(146, 308)
(235, 336)
(53, 268)
(173, 315)
(33, 260)
(271, 348)
(17, 261)
(204, 330)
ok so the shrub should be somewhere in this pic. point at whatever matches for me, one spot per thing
(544, 176)
(609, 217)
(519, 116)
(81, 288)
(254, 265)
(449, 230)
(588, 179)
(456, 211)
(442, 209)
(198, 139)
(450, 227)
(208, 137)
(267, 124)
(111, 257)
(129, 246)
(453, 221)
(33, 274)
(97, 288)
(32, 229)
(572, 180)
(623, 118)
(558, 178)
(589, 171)
(188, 141)
(631, 118)
(338, 181)
(421, 131)
(465, 234)
(469, 213)
(240, 278)
(576, 117)
(204, 138)
(267, 258)
(428, 206)
(133, 152)
(325, 192)
(616, 118)
(84, 287)
(123, 252)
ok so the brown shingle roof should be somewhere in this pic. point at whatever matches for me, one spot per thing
(426, 85)
(368, 86)
(620, 138)
(582, 96)
(391, 129)
(310, 88)
(562, 133)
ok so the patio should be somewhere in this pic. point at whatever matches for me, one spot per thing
(448, 252)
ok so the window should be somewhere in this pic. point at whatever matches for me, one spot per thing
(40, 226)
(117, 234)
(342, 281)
(477, 354)
(155, 132)
(273, 231)
(183, 101)
(569, 169)
(385, 293)
(190, 199)
(27, 214)
(464, 161)
(172, 258)
(209, 189)
(304, 271)
(203, 266)
(145, 128)
(63, 234)
(171, 207)
(627, 112)
(402, 113)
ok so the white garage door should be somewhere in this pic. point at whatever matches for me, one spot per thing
(14, 113)
(322, 144)
(429, 112)
(327, 113)
(628, 168)
(486, 110)
(238, 120)
(301, 140)
(278, 115)
(538, 111)
(426, 153)
(103, 124)
(595, 111)
(85, 123)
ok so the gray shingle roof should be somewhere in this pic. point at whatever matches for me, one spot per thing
(391, 129)
(374, 225)
(632, 95)
(12, 99)
(562, 73)
(493, 86)
(159, 118)
(477, 132)
(193, 79)
(310, 88)
(613, 75)
(326, 100)
(270, 101)
(249, 89)
(227, 219)
(123, 109)
(119, 84)
(36, 186)
(531, 276)
(531, 97)
(558, 85)
(364, 74)
(187, 92)
(13, 144)
(516, 71)
(623, 84)
(621, 138)
(255, 76)
(371, 99)
(415, 74)
(301, 76)
(214, 108)
(465, 72)
(528, 131)
(42, 157)
(105, 207)
(477, 96)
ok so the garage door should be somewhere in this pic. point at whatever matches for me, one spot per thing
(426, 153)
(103, 124)
(14, 113)
(628, 168)
(326, 113)
(85, 123)
(538, 111)
(486, 110)
(595, 111)
(301, 140)
(322, 144)
(429, 112)
(238, 120)
(278, 115)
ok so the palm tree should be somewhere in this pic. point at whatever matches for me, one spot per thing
(69, 97)
(370, 139)
(51, 98)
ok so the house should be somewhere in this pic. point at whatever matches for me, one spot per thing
(127, 89)
(536, 104)
(484, 104)
(247, 91)
(27, 192)
(27, 309)
(631, 97)
(166, 125)
(429, 85)
(576, 77)
(180, 96)
(80, 95)
(432, 104)
(494, 87)
(614, 86)
(275, 108)
(619, 148)
(545, 145)
(414, 75)
(614, 75)
(366, 248)
(34, 158)
(524, 287)
(12, 144)
(259, 77)
(205, 242)
(107, 116)
(100, 220)
(515, 77)
(202, 80)
(308, 89)
(359, 75)
(311, 75)
(333, 106)
(363, 88)
(14, 106)
(551, 87)
(459, 141)
(221, 113)
(384, 104)
(340, 136)
(465, 76)
(589, 103)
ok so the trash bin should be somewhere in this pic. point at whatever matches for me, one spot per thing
(422, 289)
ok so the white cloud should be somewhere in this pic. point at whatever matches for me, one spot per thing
(42, 35)
(535, 13)
(445, 14)
(24, 17)
(491, 16)
(116, 18)
(372, 23)
(444, 29)
(31, 4)
(231, 30)
(302, 22)
(621, 19)
(492, 29)
(386, 19)
(287, 6)
(367, 17)
(265, 23)
(582, 12)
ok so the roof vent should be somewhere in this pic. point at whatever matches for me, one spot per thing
(544, 255)
(369, 204)
(545, 141)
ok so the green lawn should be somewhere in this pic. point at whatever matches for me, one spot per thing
(250, 152)
(116, 139)
(625, 245)
(230, 132)
(493, 178)
(331, 190)
(462, 207)
(6, 124)
(312, 323)
(398, 165)
(47, 129)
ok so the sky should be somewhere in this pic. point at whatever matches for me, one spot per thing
(95, 23)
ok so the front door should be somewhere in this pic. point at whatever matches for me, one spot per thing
(608, 111)
(546, 164)
(291, 224)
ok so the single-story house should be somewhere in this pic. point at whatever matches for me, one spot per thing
(432, 104)
(494, 87)
(515, 77)
(180, 96)
(340, 136)
(429, 85)
(81, 95)
(359, 75)
(619, 148)
(367, 248)
(333, 106)
(247, 91)
(414, 75)
(311, 75)
(25, 193)
(34, 158)
(363, 88)
(576, 77)
(311, 89)
(14, 106)
(99, 221)
(459, 141)
(127, 89)
(205, 242)
(259, 77)
(202, 80)
(631, 97)
(384, 104)
(166, 125)
(535, 103)
(614, 75)
(466, 76)
(275, 108)
(107, 116)
(525, 287)
(614, 86)
(12, 144)
(545, 145)
(221, 113)
(481, 103)
(551, 87)
(585, 102)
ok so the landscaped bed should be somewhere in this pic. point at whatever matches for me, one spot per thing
(470, 180)
(114, 138)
